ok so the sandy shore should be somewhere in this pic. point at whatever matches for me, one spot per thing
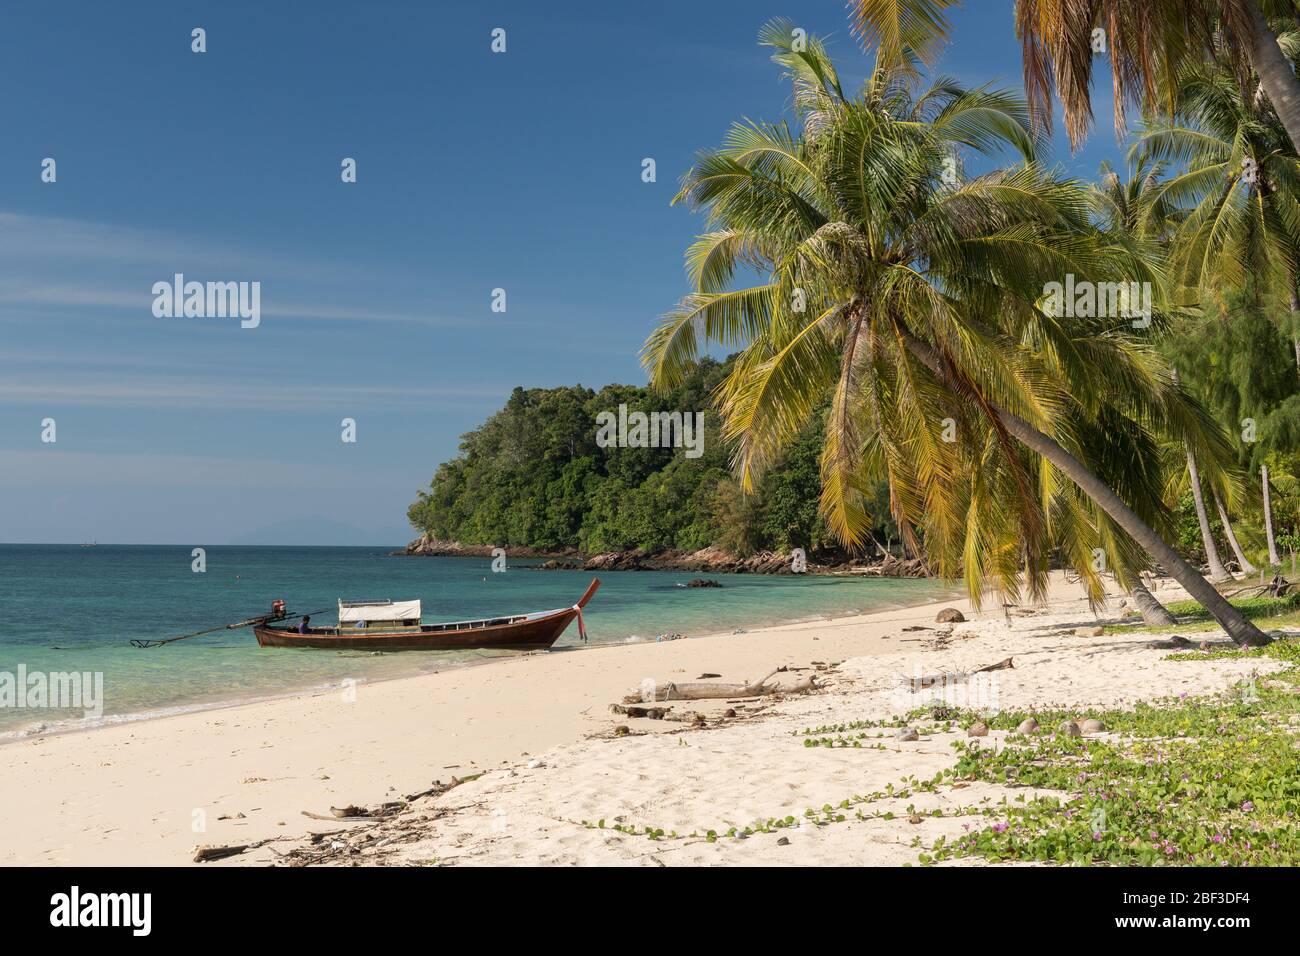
(539, 730)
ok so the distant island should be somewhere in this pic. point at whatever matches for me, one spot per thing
(534, 480)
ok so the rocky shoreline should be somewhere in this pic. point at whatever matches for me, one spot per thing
(711, 559)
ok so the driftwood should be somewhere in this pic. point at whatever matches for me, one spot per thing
(1278, 587)
(209, 852)
(352, 814)
(379, 830)
(694, 690)
(635, 710)
(204, 854)
(955, 677)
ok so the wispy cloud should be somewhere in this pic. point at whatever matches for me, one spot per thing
(274, 394)
(53, 467)
(80, 265)
(55, 241)
(140, 302)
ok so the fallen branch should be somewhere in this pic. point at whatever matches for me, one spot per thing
(358, 814)
(204, 854)
(694, 690)
(209, 852)
(954, 677)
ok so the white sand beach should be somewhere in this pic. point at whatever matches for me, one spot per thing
(540, 731)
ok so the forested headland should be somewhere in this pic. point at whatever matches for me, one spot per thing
(533, 476)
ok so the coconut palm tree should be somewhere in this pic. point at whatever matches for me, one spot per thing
(1140, 209)
(1145, 41)
(1238, 197)
(1136, 206)
(1243, 562)
(1273, 557)
(1218, 573)
(1280, 437)
(1237, 191)
(916, 299)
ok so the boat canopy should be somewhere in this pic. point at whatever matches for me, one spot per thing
(354, 611)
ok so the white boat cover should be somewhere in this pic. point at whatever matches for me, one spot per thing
(354, 611)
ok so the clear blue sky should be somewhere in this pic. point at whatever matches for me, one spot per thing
(475, 171)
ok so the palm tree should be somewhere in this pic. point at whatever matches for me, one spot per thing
(1239, 200)
(1280, 435)
(916, 301)
(1146, 42)
(1218, 573)
(1273, 557)
(1154, 614)
(1243, 562)
(1140, 210)
(1238, 192)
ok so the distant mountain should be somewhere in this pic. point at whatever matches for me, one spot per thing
(320, 530)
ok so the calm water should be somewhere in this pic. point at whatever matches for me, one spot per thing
(68, 608)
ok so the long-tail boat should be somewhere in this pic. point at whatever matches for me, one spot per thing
(395, 626)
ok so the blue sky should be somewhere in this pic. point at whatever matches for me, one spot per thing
(475, 171)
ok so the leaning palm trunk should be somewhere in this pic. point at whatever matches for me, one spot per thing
(1273, 559)
(855, 208)
(1275, 73)
(1218, 573)
(1154, 614)
(1242, 561)
(1237, 626)
(1242, 631)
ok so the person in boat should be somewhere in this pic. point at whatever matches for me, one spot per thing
(304, 626)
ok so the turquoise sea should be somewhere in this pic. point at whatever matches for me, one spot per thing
(65, 608)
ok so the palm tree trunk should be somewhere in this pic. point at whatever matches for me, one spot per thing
(1295, 342)
(1242, 631)
(1273, 559)
(1218, 573)
(1275, 73)
(1238, 628)
(1242, 561)
(1154, 614)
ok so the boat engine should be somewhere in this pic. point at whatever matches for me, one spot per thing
(277, 609)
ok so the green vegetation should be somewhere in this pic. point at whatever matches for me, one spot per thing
(1189, 782)
(532, 475)
(1184, 781)
(903, 370)
(1269, 612)
(917, 300)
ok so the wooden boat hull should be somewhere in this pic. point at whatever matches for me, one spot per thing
(520, 632)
